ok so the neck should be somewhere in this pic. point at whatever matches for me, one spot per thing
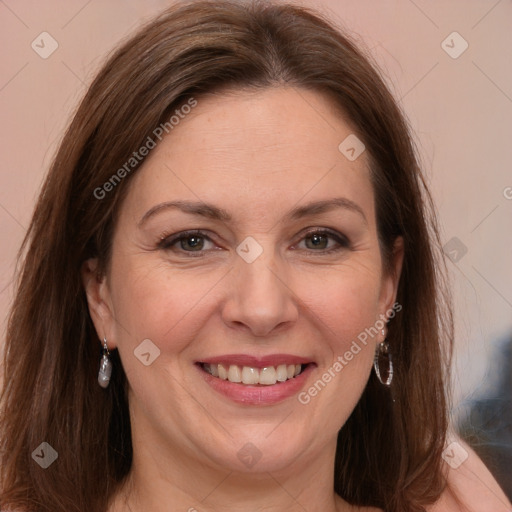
(162, 481)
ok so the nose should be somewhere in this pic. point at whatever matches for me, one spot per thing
(260, 299)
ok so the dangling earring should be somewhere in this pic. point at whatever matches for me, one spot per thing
(105, 367)
(383, 350)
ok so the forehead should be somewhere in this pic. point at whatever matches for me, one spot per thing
(253, 151)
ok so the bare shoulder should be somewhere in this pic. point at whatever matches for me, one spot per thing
(471, 487)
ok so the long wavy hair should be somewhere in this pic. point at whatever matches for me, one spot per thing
(389, 450)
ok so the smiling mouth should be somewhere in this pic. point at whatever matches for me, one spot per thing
(251, 376)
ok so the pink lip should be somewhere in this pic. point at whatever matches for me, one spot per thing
(255, 361)
(259, 394)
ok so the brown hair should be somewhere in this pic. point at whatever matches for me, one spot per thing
(389, 450)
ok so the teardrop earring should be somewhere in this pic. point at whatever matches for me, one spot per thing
(105, 366)
(383, 351)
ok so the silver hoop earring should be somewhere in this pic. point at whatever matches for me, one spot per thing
(105, 367)
(383, 351)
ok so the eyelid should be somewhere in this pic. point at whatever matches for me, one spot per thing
(341, 239)
(168, 240)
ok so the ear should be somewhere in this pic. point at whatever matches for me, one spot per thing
(390, 279)
(99, 301)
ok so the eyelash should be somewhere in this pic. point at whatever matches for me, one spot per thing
(168, 241)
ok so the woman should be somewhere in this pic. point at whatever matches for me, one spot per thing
(237, 214)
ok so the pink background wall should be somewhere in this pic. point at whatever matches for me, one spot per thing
(460, 109)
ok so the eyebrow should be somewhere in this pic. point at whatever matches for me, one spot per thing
(213, 212)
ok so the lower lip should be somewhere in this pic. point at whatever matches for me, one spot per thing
(257, 395)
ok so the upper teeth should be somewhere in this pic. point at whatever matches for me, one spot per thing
(268, 375)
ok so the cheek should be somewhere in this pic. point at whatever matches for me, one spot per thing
(345, 311)
(344, 303)
(152, 302)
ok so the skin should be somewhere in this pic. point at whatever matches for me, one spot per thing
(471, 487)
(257, 155)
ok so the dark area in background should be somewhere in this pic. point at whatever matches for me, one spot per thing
(488, 426)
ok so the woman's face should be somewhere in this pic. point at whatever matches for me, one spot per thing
(247, 240)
